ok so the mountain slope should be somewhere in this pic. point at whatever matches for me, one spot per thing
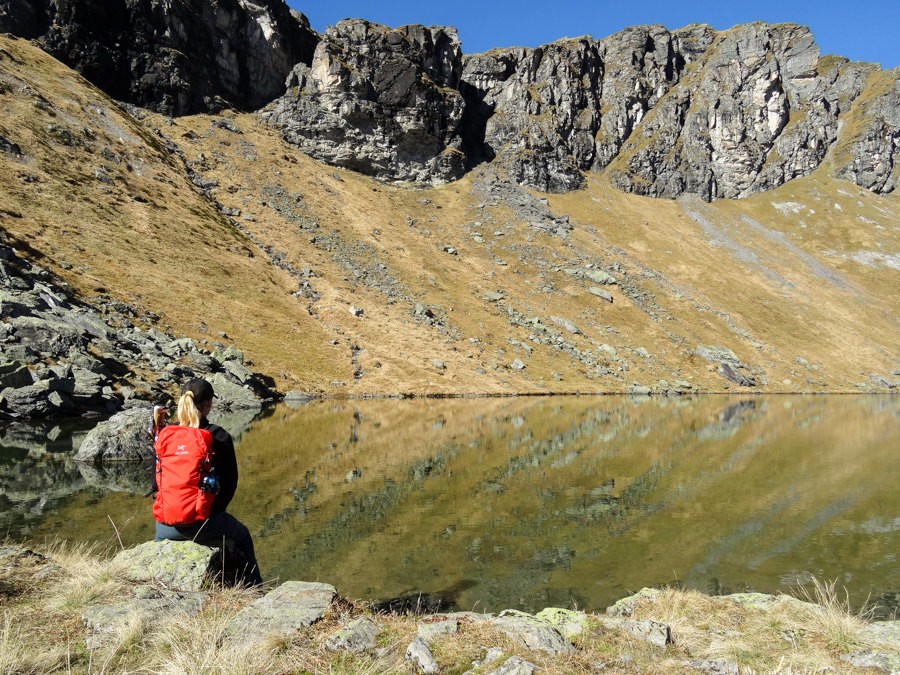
(332, 282)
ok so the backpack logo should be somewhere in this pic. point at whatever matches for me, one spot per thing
(184, 464)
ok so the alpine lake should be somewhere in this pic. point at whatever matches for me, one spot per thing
(486, 504)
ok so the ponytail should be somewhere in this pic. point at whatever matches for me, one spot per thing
(188, 415)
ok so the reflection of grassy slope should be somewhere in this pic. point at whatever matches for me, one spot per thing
(111, 209)
(501, 500)
(588, 489)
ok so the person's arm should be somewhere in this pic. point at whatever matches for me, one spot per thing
(226, 468)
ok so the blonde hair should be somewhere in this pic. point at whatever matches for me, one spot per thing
(188, 414)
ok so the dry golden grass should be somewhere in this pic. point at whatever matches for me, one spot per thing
(761, 634)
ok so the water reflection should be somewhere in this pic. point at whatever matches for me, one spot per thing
(495, 503)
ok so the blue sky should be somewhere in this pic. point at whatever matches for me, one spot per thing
(864, 30)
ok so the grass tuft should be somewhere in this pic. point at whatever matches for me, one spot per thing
(831, 618)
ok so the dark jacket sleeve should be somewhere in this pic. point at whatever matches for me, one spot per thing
(225, 463)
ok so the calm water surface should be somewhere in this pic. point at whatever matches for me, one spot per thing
(525, 503)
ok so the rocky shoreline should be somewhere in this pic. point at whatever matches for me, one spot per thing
(60, 356)
(654, 630)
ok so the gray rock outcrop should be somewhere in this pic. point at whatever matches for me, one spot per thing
(124, 437)
(379, 101)
(173, 57)
(664, 113)
(282, 612)
(60, 356)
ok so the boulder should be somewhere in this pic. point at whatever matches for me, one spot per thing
(183, 565)
(124, 437)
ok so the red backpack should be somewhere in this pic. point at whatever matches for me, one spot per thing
(183, 469)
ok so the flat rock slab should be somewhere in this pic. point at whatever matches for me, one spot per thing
(287, 609)
(532, 633)
(357, 636)
(105, 623)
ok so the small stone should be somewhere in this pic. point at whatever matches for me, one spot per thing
(419, 654)
(357, 636)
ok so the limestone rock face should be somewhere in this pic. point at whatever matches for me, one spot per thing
(380, 101)
(717, 114)
(693, 111)
(173, 57)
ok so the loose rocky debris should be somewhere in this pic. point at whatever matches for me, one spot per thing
(60, 356)
(729, 365)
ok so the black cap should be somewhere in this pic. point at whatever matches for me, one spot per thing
(201, 389)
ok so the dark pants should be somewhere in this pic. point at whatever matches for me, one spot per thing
(214, 532)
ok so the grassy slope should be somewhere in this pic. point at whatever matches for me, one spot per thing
(776, 278)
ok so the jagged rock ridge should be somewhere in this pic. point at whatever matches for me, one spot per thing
(718, 114)
(380, 101)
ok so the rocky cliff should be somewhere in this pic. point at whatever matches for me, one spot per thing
(173, 57)
(719, 114)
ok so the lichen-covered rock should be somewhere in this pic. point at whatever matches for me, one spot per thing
(515, 665)
(282, 612)
(357, 636)
(182, 565)
(626, 606)
(532, 632)
(569, 623)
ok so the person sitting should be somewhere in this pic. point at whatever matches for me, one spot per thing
(219, 480)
